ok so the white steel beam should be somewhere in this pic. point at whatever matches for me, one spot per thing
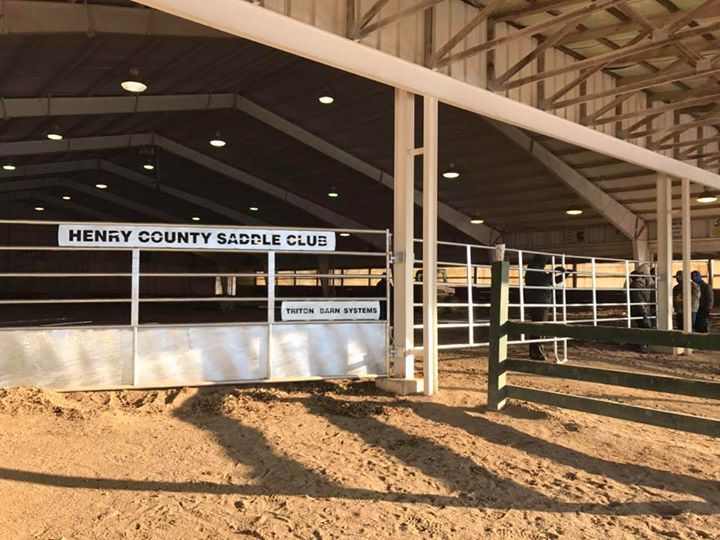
(430, 196)
(200, 202)
(80, 144)
(269, 28)
(482, 233)
(57, 167)
(30, 17)
(88, 105)
(321, 212)
(61, 106)
(618, 215)
(31, 187)
(686, 257)
(120, 141)
(664, 253)
(78, 208)
(120, 201)
(63, 167)
(35, 183)
(403, 237)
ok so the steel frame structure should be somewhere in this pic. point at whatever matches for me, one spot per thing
(64, 334)
(263, 26)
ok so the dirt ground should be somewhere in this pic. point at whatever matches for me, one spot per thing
(322, 461)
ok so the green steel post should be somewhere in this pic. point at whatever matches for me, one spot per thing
(497, 378)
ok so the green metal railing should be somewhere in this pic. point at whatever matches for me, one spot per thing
(499, 391)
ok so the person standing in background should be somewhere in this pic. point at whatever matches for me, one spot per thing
(539, 293)
(678, 301)
(707, 300)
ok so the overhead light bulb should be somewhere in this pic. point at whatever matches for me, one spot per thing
(254, 208)
(101, 186)
(333, 194)
(9, 167)
(39, 209)
(148, 166)
(218, 141)
(451, 173)
(196, 218)
(573, 212)
(66, 197)
(326, 99)
(54, 133)
(477, 221)
(134, 83)
(707, 197)
(345, 234)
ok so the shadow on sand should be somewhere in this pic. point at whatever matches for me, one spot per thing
(475, 486)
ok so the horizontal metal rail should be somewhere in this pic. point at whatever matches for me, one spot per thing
(639, 381)
(619, 335)
(66, 301)
(499, 365)
(602, 407)
(184, 225)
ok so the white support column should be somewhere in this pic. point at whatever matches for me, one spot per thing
(664, 252)
(270, 281)
(430, 200)
(686, 256)
(403, 232)
(711, 273)
(135, 311)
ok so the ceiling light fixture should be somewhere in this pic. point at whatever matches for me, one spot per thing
(345, 234)
(54, 133)
(333, 194)
(134, 83)
(39, 209)
(326, 99)
(573, 211)
(101, 186)
(477, 221)
(196, 218)
(148, 166)
(218, 141)
(707, 197)
(451, 173)
(9, 167)
(254, 208)
(66, 197)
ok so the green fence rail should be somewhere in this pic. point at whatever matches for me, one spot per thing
(499, 391)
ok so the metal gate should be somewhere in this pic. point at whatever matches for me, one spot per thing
(594, 291)
(105, 316)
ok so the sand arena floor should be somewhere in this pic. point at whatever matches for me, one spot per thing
(322, 461)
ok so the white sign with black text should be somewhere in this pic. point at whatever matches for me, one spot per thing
(340, 310)
(180, 237)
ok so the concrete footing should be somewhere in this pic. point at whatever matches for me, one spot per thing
(402, 387)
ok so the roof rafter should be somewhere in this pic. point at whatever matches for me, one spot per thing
(68, 167)
(618, 215)
(639, 51)
(422, 5)
(642, 84)
(617, 29)
(272, 29)
(461, 34)
(31, 107)
(596, 5)
(668, 107)
(121, 141)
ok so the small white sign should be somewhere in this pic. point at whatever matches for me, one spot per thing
(138, 236)
(320, 310)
